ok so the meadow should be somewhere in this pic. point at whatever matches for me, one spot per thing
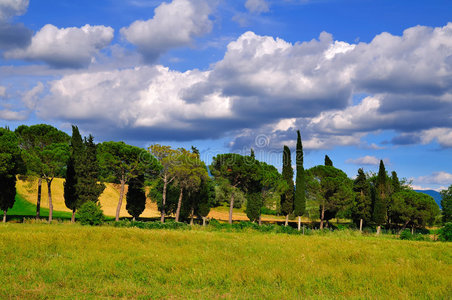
(72, 261)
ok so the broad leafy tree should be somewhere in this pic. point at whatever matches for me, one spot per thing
(446, 204)
(236, 170)
(413, 208)
(9, 167)
(120, 162)
(287, 198)
(333, 190)
(300, 183)
(168, 159)
(45, 151)
(189, 172)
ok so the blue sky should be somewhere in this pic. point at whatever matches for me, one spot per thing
(363, 80)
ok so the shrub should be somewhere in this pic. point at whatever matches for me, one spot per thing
(268, 211)
(445, 233)
(406, 235)
(91, 213)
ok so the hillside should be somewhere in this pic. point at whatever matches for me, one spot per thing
(109, 200)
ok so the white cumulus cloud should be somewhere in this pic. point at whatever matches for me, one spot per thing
(11, 8)
(174, 24)
(367, 160)
(65, 47)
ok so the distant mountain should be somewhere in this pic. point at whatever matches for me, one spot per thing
(436, 195)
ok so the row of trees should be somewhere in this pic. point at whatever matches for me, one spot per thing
(180, 183)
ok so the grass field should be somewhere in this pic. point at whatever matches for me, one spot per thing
(71, 261)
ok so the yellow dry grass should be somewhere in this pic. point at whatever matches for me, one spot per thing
(108, 199)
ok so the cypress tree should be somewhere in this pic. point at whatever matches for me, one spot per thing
(72, 172)
(362, 208)
(395, 183)
(287, 174)
(328, 161)
(300, 186)
(136, 196)
(88, 188)
(380, 209)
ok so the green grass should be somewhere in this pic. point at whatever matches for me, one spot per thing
(70, 261)
(22, 208)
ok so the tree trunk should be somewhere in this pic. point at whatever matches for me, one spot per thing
(303, 229)
(287, 220)
(121, 195)
(133, 219)
(260, 220)
(192, 215)
(4, 216)
(165, 183)
(404, 226)
(179, 204)
(73, 216)
(322, 216)
(361, 225)
(378, 229)
(299, 223)
(38, 202)
(203, 221)
(49, 192)
(412, 229)
(231, 206)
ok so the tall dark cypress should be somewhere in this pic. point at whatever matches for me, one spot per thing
(328, 161)
(300, 182)
(89, 189)
(362, 208)
(287, 174)
(73, 166)
(381, 195)
(136, 196)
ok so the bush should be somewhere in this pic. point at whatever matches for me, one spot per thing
(445, 233)
(91, 213)
(268, 211)
(406, 235)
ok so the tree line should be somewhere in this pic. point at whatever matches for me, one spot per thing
(184, 187)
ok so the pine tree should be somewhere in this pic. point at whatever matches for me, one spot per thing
(136, 196)
(287, 174)
(328, 161)
(381, 195)
(362, 208)
(300, 186)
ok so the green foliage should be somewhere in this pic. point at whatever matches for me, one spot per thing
(88, 187)
(136, 196)
(9, 166)
(412, 208)
(287, 197)
(446, 204)
(328, 161)
(91, 213)
(362, 206)
(253, 206)
(172, 196)
(381, 196)
(445, 234)
(300, 182)
(332, 189)
(224, 191)
(406, 235)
